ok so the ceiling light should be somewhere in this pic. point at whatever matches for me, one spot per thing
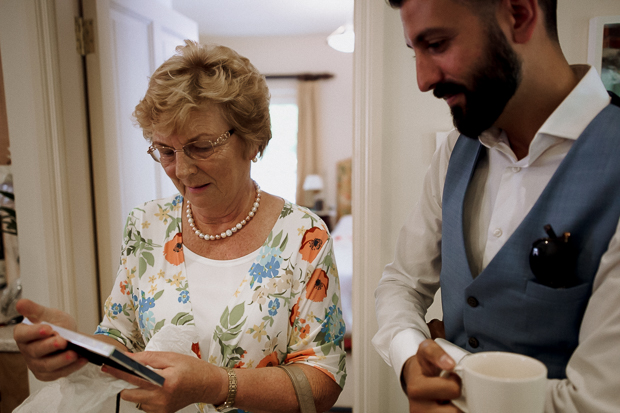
(342, 39)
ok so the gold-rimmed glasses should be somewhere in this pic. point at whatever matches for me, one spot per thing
(198, 150)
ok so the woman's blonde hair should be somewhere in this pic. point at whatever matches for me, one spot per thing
(199, 74)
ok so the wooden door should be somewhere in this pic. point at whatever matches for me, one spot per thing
(132, 38)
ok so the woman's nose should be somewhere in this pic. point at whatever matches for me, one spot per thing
(185, 166)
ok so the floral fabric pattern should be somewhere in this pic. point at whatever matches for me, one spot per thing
(286, 310)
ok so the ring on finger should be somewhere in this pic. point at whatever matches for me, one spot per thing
(139, 406)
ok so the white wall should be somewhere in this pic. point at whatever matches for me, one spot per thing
(573, 22)
(303, 54)
(410, 119)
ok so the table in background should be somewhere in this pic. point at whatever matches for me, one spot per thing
(13, 373)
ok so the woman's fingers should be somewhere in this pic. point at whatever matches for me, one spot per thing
(129, 378)
(37, 313)
(25, 334)
(30, 309)
(157, 360)
(57, 368)
(43, 349)
(136, 395)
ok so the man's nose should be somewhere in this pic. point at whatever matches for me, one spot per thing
(428, 73)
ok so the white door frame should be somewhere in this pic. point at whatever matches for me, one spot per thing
(53, 216)
(369, 381)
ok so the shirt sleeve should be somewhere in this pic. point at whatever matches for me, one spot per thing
(408, 285)
(592, 372)
(120, 309)
(317, 326)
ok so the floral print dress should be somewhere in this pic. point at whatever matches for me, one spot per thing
(286, 310)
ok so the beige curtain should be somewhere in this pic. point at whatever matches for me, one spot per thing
(307, 136)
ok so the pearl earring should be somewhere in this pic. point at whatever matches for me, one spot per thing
(255, 159)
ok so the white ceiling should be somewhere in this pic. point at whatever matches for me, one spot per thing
(228, 18)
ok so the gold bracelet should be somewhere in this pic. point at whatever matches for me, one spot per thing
(232, 391)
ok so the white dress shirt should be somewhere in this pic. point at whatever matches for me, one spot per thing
(501, 193)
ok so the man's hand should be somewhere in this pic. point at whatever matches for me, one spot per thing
(42, 347)
(427, 392)
(436, 328)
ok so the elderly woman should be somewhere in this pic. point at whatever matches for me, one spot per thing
(252, 273)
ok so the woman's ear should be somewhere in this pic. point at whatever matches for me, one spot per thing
(523, 17)
(254, 157)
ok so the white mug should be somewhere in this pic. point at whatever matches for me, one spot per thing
(496, 381)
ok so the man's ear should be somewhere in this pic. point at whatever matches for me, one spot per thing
(522, 16)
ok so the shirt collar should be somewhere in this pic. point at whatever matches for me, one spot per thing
(580, 107)
(567, 121)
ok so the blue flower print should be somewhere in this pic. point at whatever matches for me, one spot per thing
(257, 272)
(267, 253)
(272, 268)
(116, 308)
(101, 330)
(146, 304)
(177, 200)
(273, 307)
(147, 320)
(333, 325)
(184, 296)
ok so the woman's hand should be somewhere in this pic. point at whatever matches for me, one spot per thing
(42, 347)
(188, 380)
(427, 392)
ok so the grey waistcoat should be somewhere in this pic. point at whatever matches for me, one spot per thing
(505, 308)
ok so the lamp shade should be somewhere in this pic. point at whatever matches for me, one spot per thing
(313, 183)
(342, 39)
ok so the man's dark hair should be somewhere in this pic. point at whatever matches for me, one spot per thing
(548, 7)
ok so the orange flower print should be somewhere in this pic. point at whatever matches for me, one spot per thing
(299, 356)
(124, 289)
(316, 289)
(270, 360)
(304, 331)
(239, 365)
(196, 349)
(173, 250)
(294, 314)
(312, 242)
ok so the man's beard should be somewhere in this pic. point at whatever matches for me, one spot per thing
(493, 84)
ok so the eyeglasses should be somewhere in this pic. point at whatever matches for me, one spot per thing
(197, 150)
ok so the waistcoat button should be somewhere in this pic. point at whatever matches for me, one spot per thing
(472, 302)
(473, 342)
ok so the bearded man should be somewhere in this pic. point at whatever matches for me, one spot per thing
(519, 217)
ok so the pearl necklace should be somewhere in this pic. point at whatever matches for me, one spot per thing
(228, 232)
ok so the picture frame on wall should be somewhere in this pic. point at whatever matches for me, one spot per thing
(604, 50)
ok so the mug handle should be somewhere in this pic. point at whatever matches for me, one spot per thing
(460, 402)
(458, 354)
